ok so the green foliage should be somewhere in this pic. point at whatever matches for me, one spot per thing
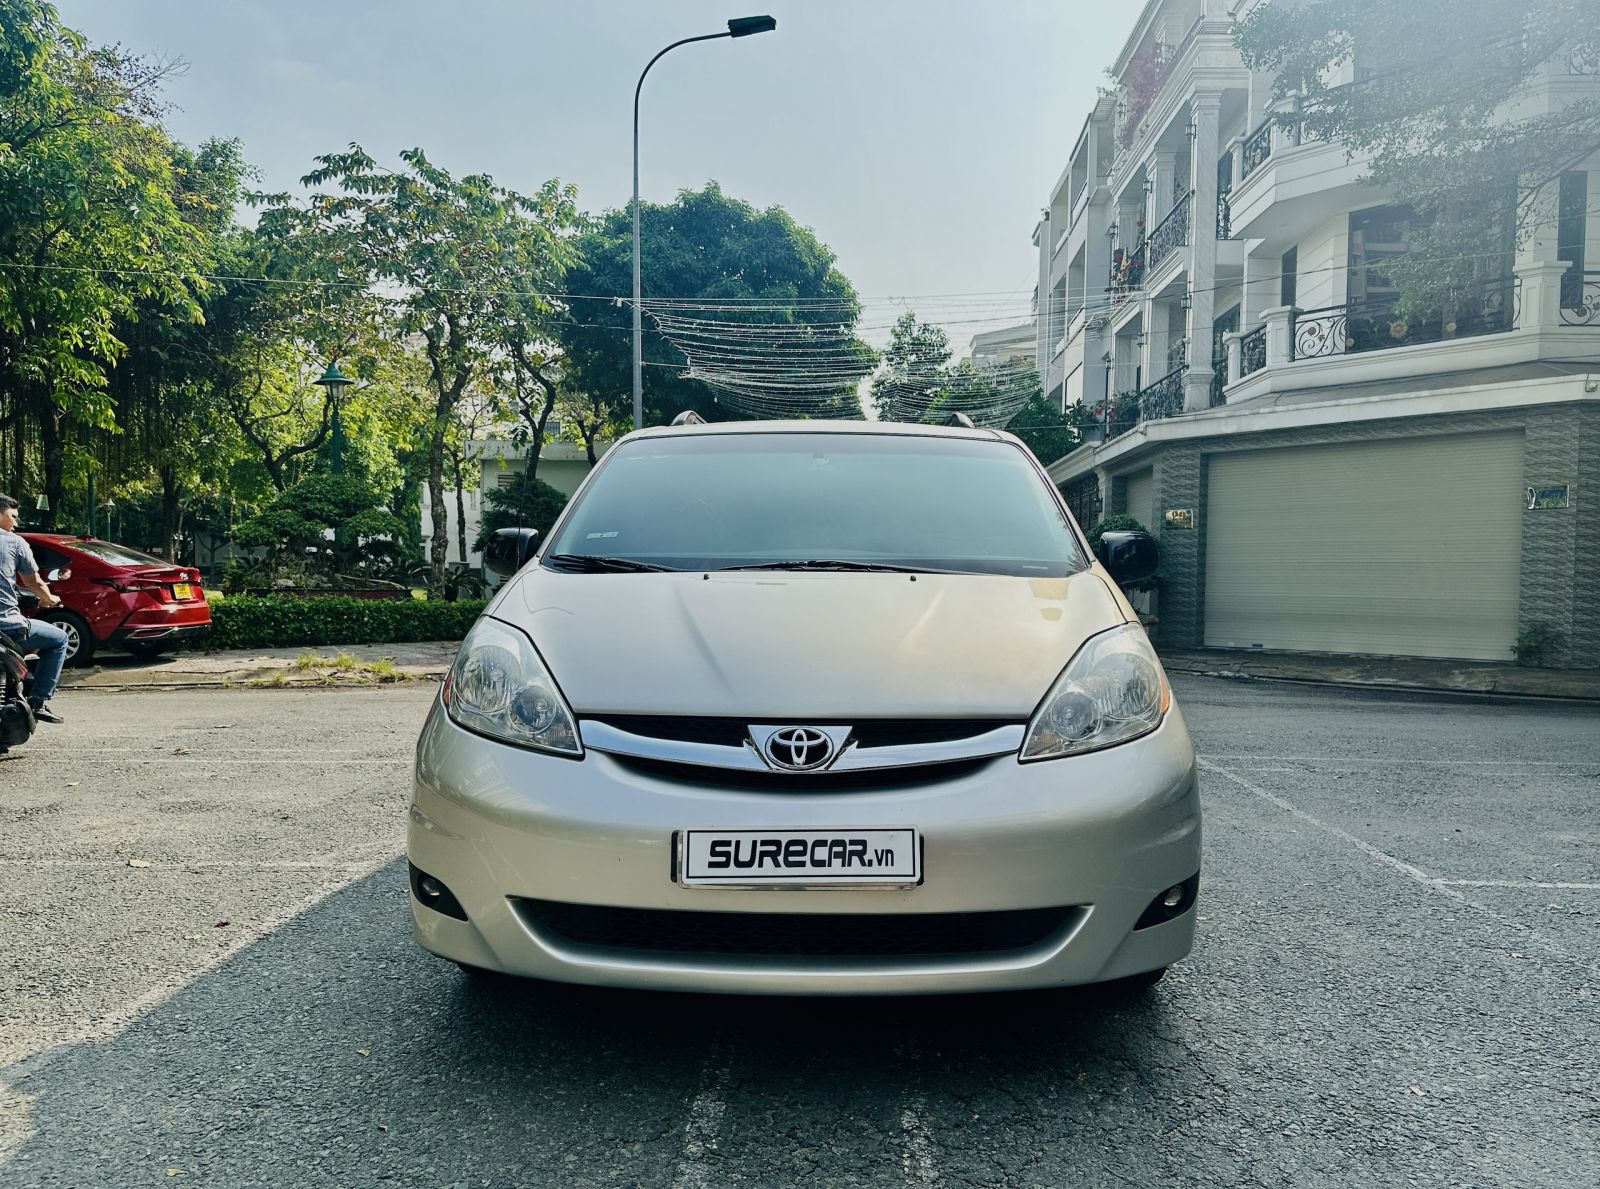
(912, 366)
(246, 621)
(304, 514)
(526, 503)
(705, 245)
(1442, 112)
(1538, 643)
(1045, 429)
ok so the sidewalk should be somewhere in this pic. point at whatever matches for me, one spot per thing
(323, 665)
(1388, 672)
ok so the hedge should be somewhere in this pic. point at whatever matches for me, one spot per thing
(250, 621)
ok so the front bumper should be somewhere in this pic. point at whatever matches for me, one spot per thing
(1102, 834)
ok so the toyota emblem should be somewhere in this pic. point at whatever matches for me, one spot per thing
(799, 749)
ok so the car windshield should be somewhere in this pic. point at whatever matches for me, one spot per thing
(833, 500)
(117, 555)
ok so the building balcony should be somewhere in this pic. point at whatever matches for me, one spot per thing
(1127, 273)
(1544, 312)
(1171, 233)
(1156, 401)
(1287, 185)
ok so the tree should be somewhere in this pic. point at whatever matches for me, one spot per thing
(323, 520)
(1439, 109)
(705, 247)
(90, 227)
(911, 371)
(525, 503)
(473, 267)
(1045, 429)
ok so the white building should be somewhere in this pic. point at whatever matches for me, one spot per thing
(1324, 474)
(1010, 344)
(563, 465)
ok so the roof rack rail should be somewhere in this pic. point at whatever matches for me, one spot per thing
(688, 417)
(960, 419)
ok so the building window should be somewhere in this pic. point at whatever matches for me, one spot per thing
(1286, 277)
(1572, 225)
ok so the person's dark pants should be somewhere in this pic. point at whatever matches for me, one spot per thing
(50, 642)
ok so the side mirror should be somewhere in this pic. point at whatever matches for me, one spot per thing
(1129, 557)
(510, 549)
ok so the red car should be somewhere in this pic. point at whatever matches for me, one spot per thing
(117, 597)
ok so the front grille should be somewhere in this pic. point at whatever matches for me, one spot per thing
(867, 733)
(818, 935)
(869, 780)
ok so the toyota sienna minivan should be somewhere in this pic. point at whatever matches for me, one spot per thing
(809, 708)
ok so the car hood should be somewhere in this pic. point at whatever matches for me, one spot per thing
(807, 645)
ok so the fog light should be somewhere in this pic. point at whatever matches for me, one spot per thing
(431, 892)
(1171, 904)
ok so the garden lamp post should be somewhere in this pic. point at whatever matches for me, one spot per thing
(335, 381)
(737, 27)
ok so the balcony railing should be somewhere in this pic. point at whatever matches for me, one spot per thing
(1580, 298)
(1257, 148)
(1127, 271)
(1253, 351)
(1172, 232)
(1378, 325)
(1224, 217)
(1219, 381)
(1584, 59)
(1164, 398)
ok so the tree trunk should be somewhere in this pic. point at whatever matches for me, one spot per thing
(461, 508)
(53, 457)
(171, 522)
(439, 539)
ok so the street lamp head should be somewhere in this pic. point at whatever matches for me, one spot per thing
(334, 380)
(745, 26)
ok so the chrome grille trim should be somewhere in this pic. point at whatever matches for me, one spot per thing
(601, 736)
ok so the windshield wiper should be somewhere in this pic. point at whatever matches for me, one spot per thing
(588, 563)
(841, 564)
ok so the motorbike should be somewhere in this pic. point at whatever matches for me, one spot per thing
(17, 723)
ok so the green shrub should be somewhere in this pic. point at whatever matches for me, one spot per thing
(248, 621)
(524, 503)
(1536, 643)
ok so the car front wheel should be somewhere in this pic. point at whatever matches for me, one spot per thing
(80, 640)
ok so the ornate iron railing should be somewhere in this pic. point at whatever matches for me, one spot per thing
(1580, 298)
(1224, 217)
(1122, 414)
(1083, 499)
(1219, 381)
(1127, 271)
(1253, 351)
(1257, 148)
(1584, 59)
(1171, 233)
(1164, 398)
(1377, 325)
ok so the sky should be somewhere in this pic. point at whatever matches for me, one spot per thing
(918, 138)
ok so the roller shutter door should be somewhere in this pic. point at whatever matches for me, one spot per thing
(1403, 548)
(1141, 498)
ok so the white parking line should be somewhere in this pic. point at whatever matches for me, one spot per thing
(1416, 874)
(917, 1160)
(1250, 759)
(1518, 883)
(704, 1126)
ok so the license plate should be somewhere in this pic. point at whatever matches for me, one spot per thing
(799, 858)
(183, 591)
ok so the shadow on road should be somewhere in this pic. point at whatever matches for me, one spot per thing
(335, 1051)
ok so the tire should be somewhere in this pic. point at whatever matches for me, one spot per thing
(80, 640)
(146, 650)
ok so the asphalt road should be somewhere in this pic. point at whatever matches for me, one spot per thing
(1395, 981)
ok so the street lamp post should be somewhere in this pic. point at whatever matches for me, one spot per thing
(335, 381)
(737, 27)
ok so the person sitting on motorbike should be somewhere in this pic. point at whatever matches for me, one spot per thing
(31, 635)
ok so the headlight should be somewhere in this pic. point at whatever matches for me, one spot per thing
(1112, 691)
(499, 687)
